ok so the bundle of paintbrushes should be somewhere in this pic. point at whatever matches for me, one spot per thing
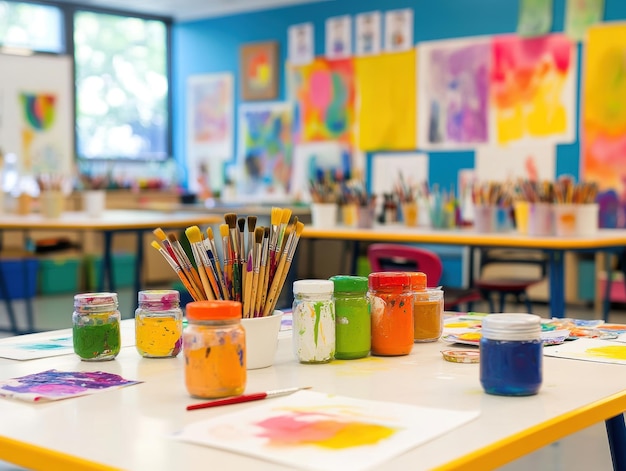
(254, 266)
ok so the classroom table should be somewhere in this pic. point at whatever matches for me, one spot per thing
(109, 223)
(555, 247)
(130, 428)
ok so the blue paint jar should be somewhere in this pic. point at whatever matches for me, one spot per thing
(511, 354)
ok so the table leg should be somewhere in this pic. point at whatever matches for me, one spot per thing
(107, 265)
(606, 301)
(9, 304)
(556, 266)
(139, 263)
(616, 433)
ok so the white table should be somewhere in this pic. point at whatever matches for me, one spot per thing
(128, 428)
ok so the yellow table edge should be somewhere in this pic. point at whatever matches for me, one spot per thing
(533, 438)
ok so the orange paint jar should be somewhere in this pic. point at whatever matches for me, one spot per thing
(391, 309)
(428, 315)
(214, 345)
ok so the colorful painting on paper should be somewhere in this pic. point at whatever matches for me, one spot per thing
(317, 431)
(535, 17)
(324, 95)
(39, 110)
(603, 123)
(454, 93)
(601, 351)
(52, 385)
(580, 15)
(259, 71)
(265, 147)
(533, 88)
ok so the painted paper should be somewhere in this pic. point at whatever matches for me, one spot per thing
(210, 140)
(601, 351)
(454, 93)
(533, 88)
(313, 160)
(398, 30)
(534, 163)
(368, 33)
(387, 99)
(300, 44)
(580, 15)
(317, 431)
(339, 37)
(535, 17)
(603, 123)
(387, 168)
(265, 148)
(324, 93)
(53, 385)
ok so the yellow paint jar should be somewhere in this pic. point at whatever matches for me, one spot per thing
(158, 324)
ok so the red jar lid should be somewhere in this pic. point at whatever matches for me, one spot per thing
(389, 280)
(418, 280)
(213, 310)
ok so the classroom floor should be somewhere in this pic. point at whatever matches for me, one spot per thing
(587, 449)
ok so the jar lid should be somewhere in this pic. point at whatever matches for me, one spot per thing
(511, 326)
(389, 279)
(418, 280)
(165, 296)
(213, 310)
(313, 287)
(349, 284)
(95, 299)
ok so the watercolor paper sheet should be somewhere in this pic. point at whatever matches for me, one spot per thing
(398, 30)
(580, 15)
(54, 385)
(317, 431)
(601, 351)
(535, 163)
(454, 93)
(301, 47)
(387, 101)
(339, 37)
(312, 161)
(533, 89)
(603, 123)
(386, 170)
(535, 17)
(368, 33)
(52, 344)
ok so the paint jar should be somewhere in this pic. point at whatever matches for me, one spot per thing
(313, 321)
(353, 331)
(428, 315)
(511, 354)
(158, 324)
(214, 345)
(391, 309)
(96, 326)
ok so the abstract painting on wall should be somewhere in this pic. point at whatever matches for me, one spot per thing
(368, 33)
(265, 148)
(580, 15)
(324, 94)
(259, 71)
(533, 88)
(453, 93)
(339, 37)
(603, 123)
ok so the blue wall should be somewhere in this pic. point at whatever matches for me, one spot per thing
(212, 45)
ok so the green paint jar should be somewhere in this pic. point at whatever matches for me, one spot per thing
(96, 326)
(353, 328)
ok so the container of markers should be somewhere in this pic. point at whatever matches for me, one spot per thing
(353, 331)
(96, 326)
(214, 345)
(158, 324)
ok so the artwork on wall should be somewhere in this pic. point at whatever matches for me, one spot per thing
(324, 94)
(603, 122)
(387, 167)
(454, 93)
(535, 17)
(398, 30)
(580, 15)
(339, 37)
(301, 44)
(532, 162)
(368, 33)
(387, 101)
(533, 89)
(210, 117)
(265, 148)
(259, 71)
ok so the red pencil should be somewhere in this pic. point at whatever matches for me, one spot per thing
(245, 398)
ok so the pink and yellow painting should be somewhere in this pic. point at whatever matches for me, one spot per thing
(317, 431)
(533, 88)
(324, 93)
(601, 351)
(603, 122)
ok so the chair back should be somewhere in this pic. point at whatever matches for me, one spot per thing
(399, 257)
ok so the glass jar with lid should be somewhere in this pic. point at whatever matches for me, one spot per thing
(353, 329)
(158, 323)
(96, 326)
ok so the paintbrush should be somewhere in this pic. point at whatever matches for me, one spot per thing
(241, 244)
(228, 260)
(181, 275)
(285, 215)
(231, 221)
(273, 291)
(202, 262)
(262, 284)
(275, 218)
(246, 398)
(215, 259)
(253, 278)
(292, 250)
(184, 261)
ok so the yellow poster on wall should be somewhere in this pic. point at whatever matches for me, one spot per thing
(386, 115)
(603, 124)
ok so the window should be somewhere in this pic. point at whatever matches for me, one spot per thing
(121, 87)
(31, 27)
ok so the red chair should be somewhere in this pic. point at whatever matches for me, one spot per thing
(399, 257)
